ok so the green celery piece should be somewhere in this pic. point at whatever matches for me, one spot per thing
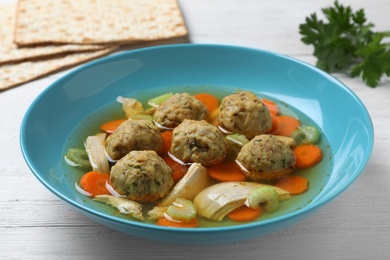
(141, 116)
(306, 134)
(155, 102)
(182, 209)
(79, 157)
(263, 194)
(239, 139)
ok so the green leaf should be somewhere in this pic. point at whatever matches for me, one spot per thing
(375, 61)
(312, 30)
(359, 17)
(345, 41)
(339, 16)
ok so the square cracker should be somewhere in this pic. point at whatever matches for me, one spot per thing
(97, 21)
(9, 51)
(13, 74)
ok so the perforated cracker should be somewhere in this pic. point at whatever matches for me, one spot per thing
(13, 74)
(9, 51)
(97, 21)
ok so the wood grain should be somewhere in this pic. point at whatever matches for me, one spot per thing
(35, 224)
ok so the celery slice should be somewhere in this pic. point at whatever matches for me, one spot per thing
(155, 102)
(79, 158)
(239, 139)
(141, 117)
(263, 194)
(182, 210)
(306, 134)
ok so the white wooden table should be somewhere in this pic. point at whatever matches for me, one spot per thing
(35, 224)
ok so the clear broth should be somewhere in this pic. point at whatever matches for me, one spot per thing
(317, 176)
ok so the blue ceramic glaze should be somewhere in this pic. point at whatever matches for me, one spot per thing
(330, 104)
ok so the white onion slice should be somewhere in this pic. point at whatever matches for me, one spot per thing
(82, 191)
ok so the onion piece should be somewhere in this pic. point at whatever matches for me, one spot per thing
(125, 206)
(109, 157)
(130, 106)
(288, 140)
(94, 146)
(216, 201)
(157, 212)
(112, 191)
(194, 181)
(82, 191)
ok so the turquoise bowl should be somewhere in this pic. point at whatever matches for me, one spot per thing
(331, 105)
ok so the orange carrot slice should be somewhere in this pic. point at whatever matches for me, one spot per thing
(245, 214)
(210, 101)
(167, 223)
(272, 106)
(94, 183)
(293, 184)
(111, 126)
(167, 138)
(226, 171)
(213, 117)
(275, 124)
(286, 125)
(307, 155)
(178, 170)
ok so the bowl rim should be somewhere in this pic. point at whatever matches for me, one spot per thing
(308, 208)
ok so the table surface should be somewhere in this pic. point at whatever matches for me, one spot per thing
(35, 224)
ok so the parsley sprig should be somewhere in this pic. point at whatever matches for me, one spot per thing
(346, 42)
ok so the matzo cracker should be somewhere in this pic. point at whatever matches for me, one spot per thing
(97, 21)
(9, 51)
(13, 74)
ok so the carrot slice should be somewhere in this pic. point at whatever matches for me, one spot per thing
(167, 138)
(293, 184)
(275, 124)
(226, 171)
(213, 117)
(167, 223)
(178, 170)
(307, 155)
(111, 126)
(94, 183)
(210, 101)
(286, 125)
(244, 214)
(272, 106)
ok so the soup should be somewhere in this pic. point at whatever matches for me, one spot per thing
(316, 175)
